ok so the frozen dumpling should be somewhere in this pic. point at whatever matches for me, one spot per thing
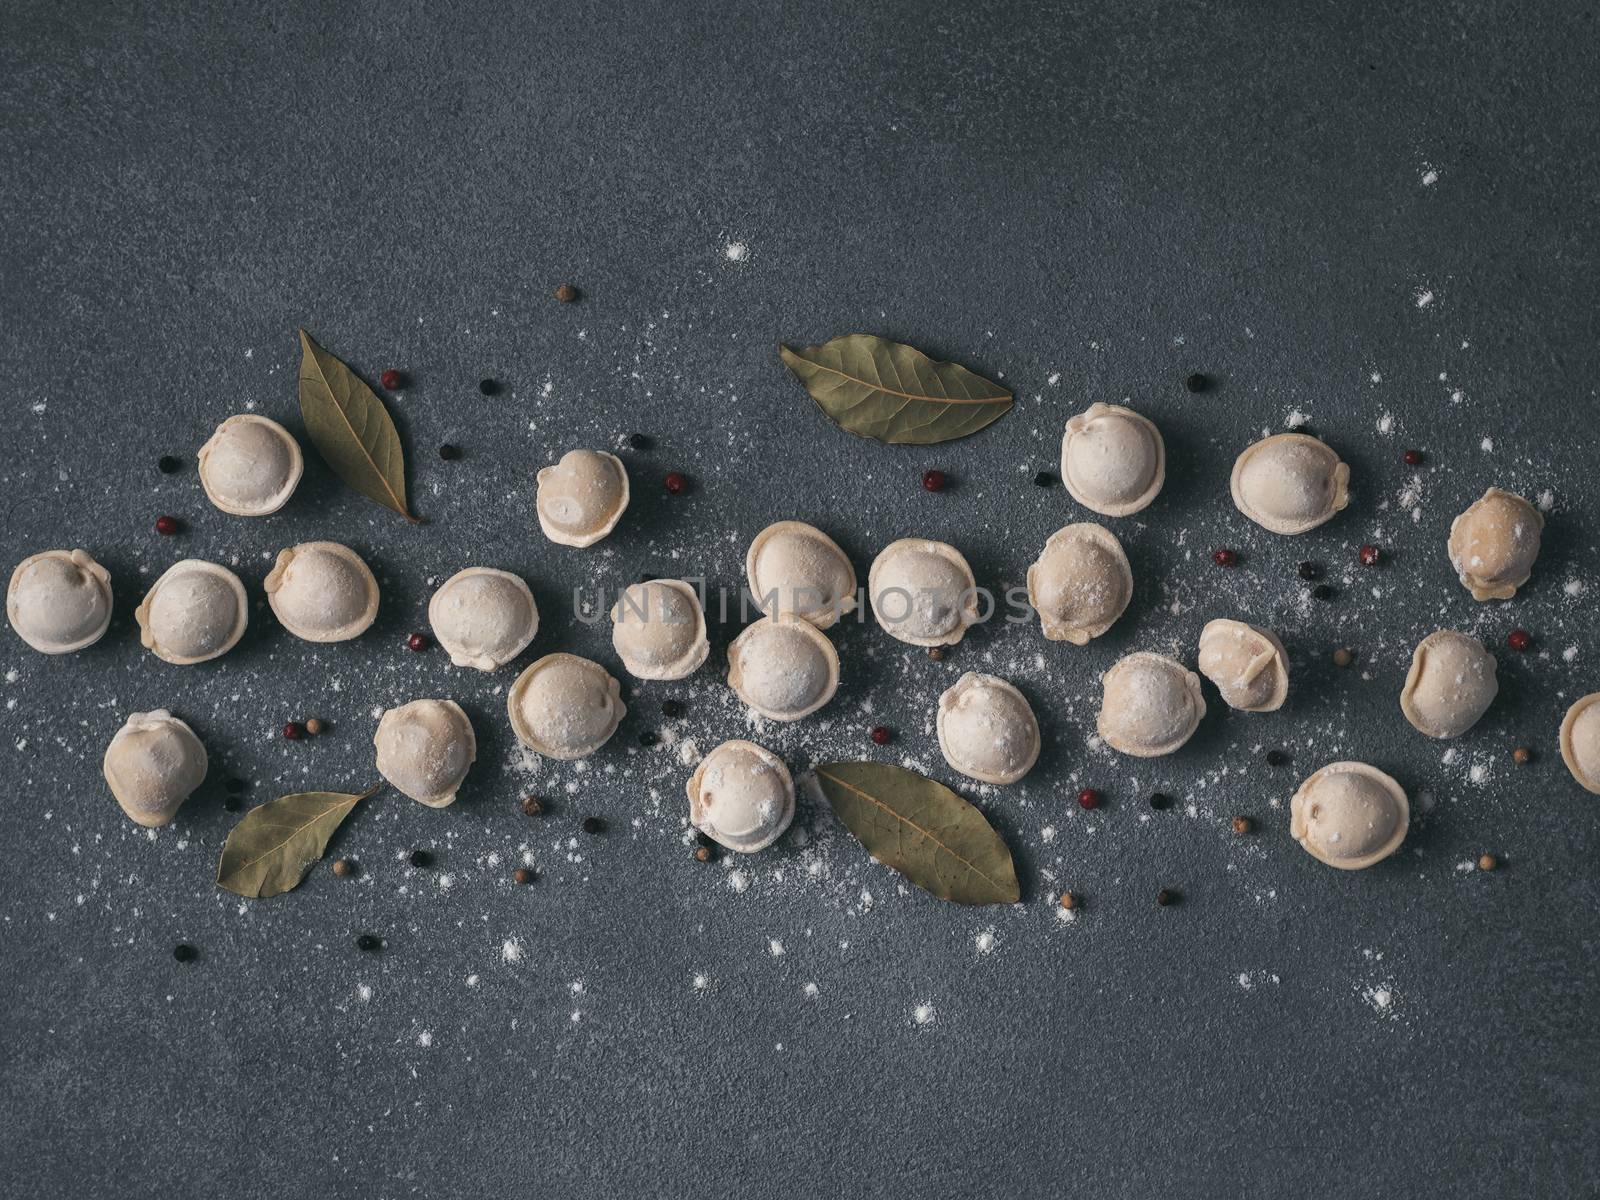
(196, 611)
(1247, 664)
(802, 571)
(1450, 685)
(784, 669)
(659, 630)
(1580, 741)
(59, 601)
(1113, 460)
(565, 707)
(581, 498)
(1290, 483)
(1080, 583)
(483, 617)
(322, 592)
(987, 729)
(1151, 705)
(153, 764)
(251, 466)
(1349, 815)
(741, 796)
(1494, 543)
(425, 749)
(923, 592)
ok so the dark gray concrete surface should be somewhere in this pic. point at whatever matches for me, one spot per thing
(1377, 219)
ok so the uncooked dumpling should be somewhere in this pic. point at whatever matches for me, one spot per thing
(152, 766)
(251, 466)
(1151, 705)
(987, 729)
(425, 749)
(810, 576)
(582, 497)
(59, 601)
(1349, 815)
(784, 669)
(483, 617)
(196, 611)
(1493, 544)
(1080, 583)
(1247, 664)
(741, 796)
(1580, 741)
(1290, 483)
(322, 592)
(565, 707)
(1113, 460)
(923, 592)
(1450, 685)
(659, 630)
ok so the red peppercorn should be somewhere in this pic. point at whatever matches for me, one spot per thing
(417, 641)
(391, 379)
(933, 481)
(1369, 556)
(1225, 558)
(1412, 458)
(1519, 639)
(675, 482)
(292, 732)
(166, 526)
(880, 735)
(1089, 798)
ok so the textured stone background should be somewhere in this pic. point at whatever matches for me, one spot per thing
(1384, 222)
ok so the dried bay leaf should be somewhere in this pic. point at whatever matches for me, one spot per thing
(894, 393)
(270, 851)
(922, 829)
(351, 428)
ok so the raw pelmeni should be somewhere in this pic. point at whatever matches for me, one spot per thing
(741, 796)
(1113, 460)
(59, 601)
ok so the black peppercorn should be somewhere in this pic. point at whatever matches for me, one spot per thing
(449, 452)
(184, 952)
(168, 465)
(648, 739)
(671, 708)
(1197, 382)
(1309, 571)
(488, 387)
(1276, 758)
(231, 804)
(1165, 897)
(1160, 800)
(369, 942)
(638, 441)
(1323, 592)
(421, 858)
(594, 825)
(1044, 479)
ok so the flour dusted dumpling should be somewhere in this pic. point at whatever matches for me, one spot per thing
(783, 669)
(659, 630)
(1151, 705)
(1113, 460)
(1247, 664)
(1580, 741)
(1080, 583)
(1290, 483)
(565, 707)
(196, 611)
(322, 592)
(153, 764)
(804, 571)
(425, 749)
(987, 729)
(59, 601)
(741, 796)
(251, 466)
(1450, 685)
(483, 617)
(1494, 543)
(581, 498)
(923, 592)
(1349, 815)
